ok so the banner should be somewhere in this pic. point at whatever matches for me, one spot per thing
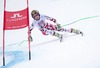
(15, 19)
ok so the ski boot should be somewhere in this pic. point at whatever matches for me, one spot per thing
(76, 31)
(60, 36)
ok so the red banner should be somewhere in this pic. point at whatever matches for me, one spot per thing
(16, 19)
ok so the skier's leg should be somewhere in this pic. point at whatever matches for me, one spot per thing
(58, 27)
(60, 36)
(53, 33)
(71, 30)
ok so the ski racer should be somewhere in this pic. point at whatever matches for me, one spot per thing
(39, 21)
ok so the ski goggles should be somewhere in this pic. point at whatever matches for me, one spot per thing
(35, 14)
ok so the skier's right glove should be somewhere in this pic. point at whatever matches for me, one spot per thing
(31, 39)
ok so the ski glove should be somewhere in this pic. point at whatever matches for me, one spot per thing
(31, 39)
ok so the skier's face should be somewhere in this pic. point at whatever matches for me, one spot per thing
(36, 16)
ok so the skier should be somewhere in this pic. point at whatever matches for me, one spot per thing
(39, 20)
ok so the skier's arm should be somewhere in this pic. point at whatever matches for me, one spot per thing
(31, 27)
(55, 21)
(50, 18)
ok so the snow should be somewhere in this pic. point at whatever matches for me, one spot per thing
(46, 51)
